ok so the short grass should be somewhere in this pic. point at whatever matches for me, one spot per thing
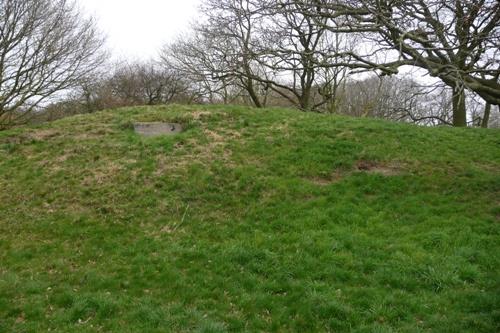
(250, 221)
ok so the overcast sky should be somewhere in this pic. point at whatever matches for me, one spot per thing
(138, 28)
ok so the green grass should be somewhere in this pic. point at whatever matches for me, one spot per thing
(250, 221)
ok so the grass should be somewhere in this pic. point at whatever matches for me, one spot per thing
(251, 220)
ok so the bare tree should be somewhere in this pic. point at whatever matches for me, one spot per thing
(194, 57)
(136, 83)
(397, 98)
(232, 27)
(303, 52)
(294, 47)
(46, 47)
(255, 48)
(457, 41)
(147, 83)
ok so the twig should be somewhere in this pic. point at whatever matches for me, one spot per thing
(182, 220)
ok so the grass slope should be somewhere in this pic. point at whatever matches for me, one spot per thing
(250, 220)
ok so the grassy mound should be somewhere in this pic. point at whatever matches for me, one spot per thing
(250, 220)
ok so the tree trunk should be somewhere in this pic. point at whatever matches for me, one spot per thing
(253, 94)
(486, 116)
(304, 103)
(459, 109)
(305, 99)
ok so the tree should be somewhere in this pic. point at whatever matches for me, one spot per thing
(232, 26)
(294, 47)
(219, 54)
(46, 47)
(256, 48)
(457, 41)
(127, 84)
(146, 83)
(194, 58)
(396, 98)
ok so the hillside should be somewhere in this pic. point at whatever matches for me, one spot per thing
(250, 220)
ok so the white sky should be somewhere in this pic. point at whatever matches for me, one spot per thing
(137, 29)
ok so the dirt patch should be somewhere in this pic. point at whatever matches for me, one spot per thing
(167, 164)
(335, 177)
(197, 115)
(215, 137)
(346, 134)
(491, 168)
(36, 135)
(103, 174)
(195, 151)
(371, 167)
(386, 169)
(44, 134)
(50, 134)
(93, 133)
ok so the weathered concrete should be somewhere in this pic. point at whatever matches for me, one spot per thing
(156, 129)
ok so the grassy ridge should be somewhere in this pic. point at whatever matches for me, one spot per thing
(250, 220)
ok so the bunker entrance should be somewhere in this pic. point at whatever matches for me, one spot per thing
(157, 128)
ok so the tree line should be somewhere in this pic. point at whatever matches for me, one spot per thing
(355, 57)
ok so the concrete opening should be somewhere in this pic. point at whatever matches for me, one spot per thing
(157, 128)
